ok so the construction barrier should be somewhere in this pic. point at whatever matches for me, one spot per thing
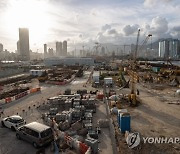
(100, 96)
(73, 143)
(8, 99)
(68, 140)
(20, 95)
(61, 83)
(56, 83)
(88, 151)
(83, 148)
(39, 89)
(33, 90)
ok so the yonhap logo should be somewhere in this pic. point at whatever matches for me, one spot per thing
(133, 140)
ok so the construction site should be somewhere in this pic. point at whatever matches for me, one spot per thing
(115, 106)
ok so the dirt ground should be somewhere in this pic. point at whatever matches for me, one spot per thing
(8, 142)
(153, 117)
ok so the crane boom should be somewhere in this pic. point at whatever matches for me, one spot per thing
(132, 96)
(137, 42)
(145, 41)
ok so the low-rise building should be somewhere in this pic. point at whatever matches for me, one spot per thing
(68, 61)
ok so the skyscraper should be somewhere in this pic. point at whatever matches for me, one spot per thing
(45, 50)
(164, 49)
(24, 44)
(169, 48)
(174, 48)
(1, 47)
(18, 48)
(59, 49)
(50, 52)
(64, 48)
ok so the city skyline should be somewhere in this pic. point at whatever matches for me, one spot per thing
(85, 22)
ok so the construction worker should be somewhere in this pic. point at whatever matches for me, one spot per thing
(130, 99)
(56, 143)
(137, 92)
(55, 130)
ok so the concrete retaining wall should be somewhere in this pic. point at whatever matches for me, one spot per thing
(9, 72)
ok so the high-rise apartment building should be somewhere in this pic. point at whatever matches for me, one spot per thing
(24, 44)
(174, 48)
(50, 52)
(164, 49)
(169, 48)
(1, 47)
(64, 48)
(18, 48)
(45, 50)
(59, 49)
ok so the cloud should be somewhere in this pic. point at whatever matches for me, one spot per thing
(80, 35)
(176, 29)
(159, 25)
(106, 27)
(3, 5)
(130, 29)
(175, 32)
(114, 21)
(159, 29)
(152, 3)
(109, 35)
(112, 32)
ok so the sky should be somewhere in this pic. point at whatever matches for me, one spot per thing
(84, 22)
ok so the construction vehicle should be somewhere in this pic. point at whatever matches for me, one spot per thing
(79, 73)
(132, 96)
(43, 77)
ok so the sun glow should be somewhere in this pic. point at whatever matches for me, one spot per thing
(32, 14)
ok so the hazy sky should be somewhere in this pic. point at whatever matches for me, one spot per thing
(87, 21)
